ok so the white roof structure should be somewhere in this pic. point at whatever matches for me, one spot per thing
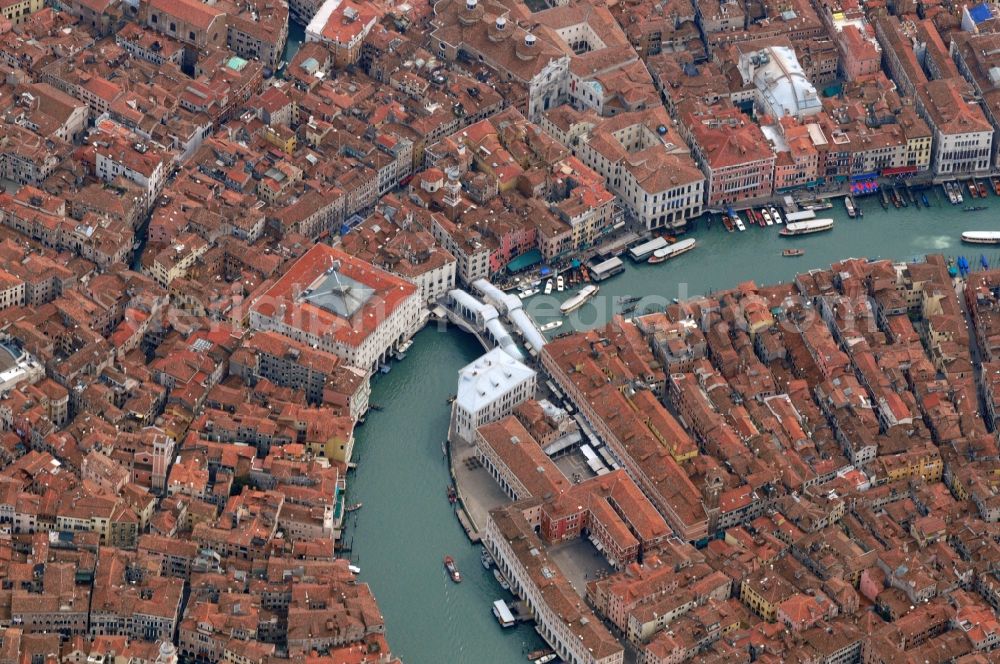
(782, 86)
(491, 376)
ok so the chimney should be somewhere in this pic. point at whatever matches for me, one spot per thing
(501, 23)
(529, 39)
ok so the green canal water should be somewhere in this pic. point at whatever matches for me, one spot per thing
(406, 525)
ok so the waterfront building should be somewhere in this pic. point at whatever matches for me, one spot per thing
(977, 58)
(562, 617)
(489, 389)
(642, 158)
(963, 138)
(342, 305)
(732, 151)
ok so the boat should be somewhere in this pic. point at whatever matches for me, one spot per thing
(973, 208)
(578, 300)
(528, 293)
(548, 287)
(353, 507)
(950, 193)
(793, 252)
(849, 206)
(958, 193)
(728, 223)
(503, 614)
(545, 659)
(739, 223)
(560, 283)
(884, 199)
(541, 652)
(502, 581)
(676, 249)
(806, 227)
(817, 205)
(385, 368)
(996, 185)
(924, 200)
(551, 326)
(861, 212)
(354, 569)
(374, 406)
(981, 237)
(775, 215)
(767, 217)
(449, 565)
(485, 558)
(973, 189)
(452, 494)
(982, 189)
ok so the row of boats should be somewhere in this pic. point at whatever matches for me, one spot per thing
(766, 216)
(976, 188)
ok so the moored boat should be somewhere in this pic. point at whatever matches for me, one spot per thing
(676, 249)
(452, 569)
(767, 217)
(849, 206)
(982, 189)
(541, 652)
(739, 223)
(806, 227)
(973, 189)
(560, 283)
(548, 287)
(579, 299)
(981, 237)
(502, 581)
(728, 223)
(995, 181)
(775, 215)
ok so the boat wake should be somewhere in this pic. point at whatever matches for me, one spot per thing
(933, 241)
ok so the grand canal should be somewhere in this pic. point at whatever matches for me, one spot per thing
(406, 525)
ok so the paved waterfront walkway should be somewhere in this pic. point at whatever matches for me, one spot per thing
(478, 492)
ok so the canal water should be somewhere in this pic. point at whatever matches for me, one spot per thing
(406, 525)
(721, 260)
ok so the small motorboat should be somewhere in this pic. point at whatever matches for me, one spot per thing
(793, 252)
(560, 283)
(452, 569)
(353, 507)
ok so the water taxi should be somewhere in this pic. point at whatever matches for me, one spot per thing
(775, 215)
(973, 189)
(556, 324)
(452, 569)
(560, 283)
(548, 287)
(739, 223)
(806, 227)
(353, 507)
(767, 217)
(849, 206)
(354, 569)
(579, 299)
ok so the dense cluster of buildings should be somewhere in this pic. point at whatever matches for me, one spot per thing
(796, 472)
(210, 242)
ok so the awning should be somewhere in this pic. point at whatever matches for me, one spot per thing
(864, 176)
(902, 170)
(524, 261)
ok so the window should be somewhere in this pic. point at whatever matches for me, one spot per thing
(191, 36)
(154, 18)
